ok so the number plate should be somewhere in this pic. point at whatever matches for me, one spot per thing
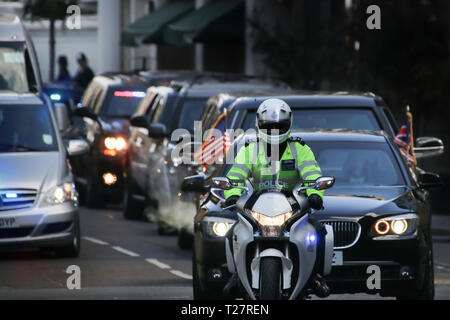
(6, 223)
(338, 259)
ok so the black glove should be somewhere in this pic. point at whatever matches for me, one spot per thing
(231, 200)
(315, 201)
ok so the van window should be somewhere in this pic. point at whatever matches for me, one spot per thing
(13, 76)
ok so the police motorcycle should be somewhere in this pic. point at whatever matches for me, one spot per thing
(271, 249)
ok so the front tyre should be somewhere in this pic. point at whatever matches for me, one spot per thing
(73, 249)
(270, 278)
(426, 292)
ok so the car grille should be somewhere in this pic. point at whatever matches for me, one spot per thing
(15, 232)
(15, 199)
(346, 233)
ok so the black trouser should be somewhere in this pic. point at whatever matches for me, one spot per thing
(321, 233)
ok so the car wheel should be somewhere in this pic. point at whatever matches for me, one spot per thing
(199, 293)
(427, 290)
(133, 210)
(185, 240)
(165, 230)
(92, 198)
(73, 249)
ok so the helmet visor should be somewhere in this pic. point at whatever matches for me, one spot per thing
(275, 128)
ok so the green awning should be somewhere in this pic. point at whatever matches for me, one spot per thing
(149, 29)
(216, 21)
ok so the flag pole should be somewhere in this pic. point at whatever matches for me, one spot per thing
(411, 135)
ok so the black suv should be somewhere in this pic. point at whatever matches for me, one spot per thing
(106, 107)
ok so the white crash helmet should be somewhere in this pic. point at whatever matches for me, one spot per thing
(274, 121)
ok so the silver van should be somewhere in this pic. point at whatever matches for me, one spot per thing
(38, 199)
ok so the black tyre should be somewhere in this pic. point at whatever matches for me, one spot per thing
(185, 240)
(426, 292)
(166, 230)
(92, 197)
(270, 278)
(73, 249)
(133, 210)
(199, 293)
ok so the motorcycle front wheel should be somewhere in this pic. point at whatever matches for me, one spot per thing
(270, 278)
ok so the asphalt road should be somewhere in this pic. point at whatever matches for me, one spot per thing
(123, 259)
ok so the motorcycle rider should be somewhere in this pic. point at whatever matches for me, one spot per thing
(277, 160)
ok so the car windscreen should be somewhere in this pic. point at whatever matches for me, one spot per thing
(121, 103)
(357, 164)
(190, 111)
(12, 67)
(26, 129)
(326, 118)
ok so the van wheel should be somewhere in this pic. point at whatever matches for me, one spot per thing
(73, 249)
(270, 278)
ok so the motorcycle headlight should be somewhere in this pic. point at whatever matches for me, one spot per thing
(217, 226)
(62, 193)
(271, 226)
(395, 226)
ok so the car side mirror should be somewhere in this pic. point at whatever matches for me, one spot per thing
(85, 112)
(429, 180)
(77, 147)
(140, 121)
(426, 147)
(157, 130)
(194, 184)
(62, 116)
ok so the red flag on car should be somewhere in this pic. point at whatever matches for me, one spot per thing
(404, 139)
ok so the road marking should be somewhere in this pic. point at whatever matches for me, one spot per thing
(155, 262)
(127, 252)
(181, 274)
(97, 241)
(158, 263)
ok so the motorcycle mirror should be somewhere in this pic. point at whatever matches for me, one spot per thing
(222, 183)
(323, 183)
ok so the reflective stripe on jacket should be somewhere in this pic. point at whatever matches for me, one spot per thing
(297, 163)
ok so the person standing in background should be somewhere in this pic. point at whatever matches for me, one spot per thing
(63, 75)
(84, 74)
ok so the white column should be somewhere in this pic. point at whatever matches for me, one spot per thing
(109, 27)
(249, 54)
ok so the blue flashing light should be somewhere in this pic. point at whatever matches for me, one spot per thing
(11, 195)
(311, 238)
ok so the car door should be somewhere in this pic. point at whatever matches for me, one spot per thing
(140, 145)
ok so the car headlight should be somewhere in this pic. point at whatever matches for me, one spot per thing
(392, 227)
(271, 226)
(62, 193)
(217, 226)
(115, 143)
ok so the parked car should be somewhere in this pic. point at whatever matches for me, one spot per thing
(106, 107)
(155, 175)
(38, 198)
(378, 209)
